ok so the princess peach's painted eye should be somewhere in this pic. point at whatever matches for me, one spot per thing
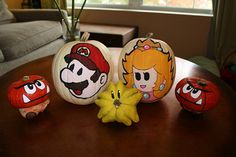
(196, 93)
(146, 76)
(187, 88)
(30, 88)
(138, 76)
(40, 84)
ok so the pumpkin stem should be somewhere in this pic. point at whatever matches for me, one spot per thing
(25, 78)
(149, 35)
(201, 83)
(85, 36)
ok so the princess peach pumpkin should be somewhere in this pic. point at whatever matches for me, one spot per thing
(148, 65)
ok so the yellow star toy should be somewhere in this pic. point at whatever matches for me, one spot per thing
(118, 103)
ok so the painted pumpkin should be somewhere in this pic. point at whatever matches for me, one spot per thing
(29, 95)
(118, 103)
(196, 94)
(81, 70)
(148, 65)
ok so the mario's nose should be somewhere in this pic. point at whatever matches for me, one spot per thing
(73, 76)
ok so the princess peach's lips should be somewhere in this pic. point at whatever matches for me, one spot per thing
(143, 86)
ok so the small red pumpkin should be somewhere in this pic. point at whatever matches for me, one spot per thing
(29, 95)
(196, 94)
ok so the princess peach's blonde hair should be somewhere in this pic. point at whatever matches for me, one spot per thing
(144, 59)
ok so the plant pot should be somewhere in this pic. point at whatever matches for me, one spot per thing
(70, 34)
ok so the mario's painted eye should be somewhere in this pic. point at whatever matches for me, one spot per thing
(30, 88)
(80, 71)
(187, 88)
(40, 84)
(71, 67)
(196, 93)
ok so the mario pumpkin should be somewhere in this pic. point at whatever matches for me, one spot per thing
(88, 71)
(197, 95)
(29, 95)
(82, 70)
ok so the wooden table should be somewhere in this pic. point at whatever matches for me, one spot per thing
(164, 130)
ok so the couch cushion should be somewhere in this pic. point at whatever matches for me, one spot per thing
(5, 15)
(1, 56)
(49, 49)
(18, 39)
(206, 63)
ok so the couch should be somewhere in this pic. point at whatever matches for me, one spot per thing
(206, 63)
(31, 34)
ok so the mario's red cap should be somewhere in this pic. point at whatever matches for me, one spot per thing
(90, 56)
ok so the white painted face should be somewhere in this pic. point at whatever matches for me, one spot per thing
(77, 78)
(144, 80)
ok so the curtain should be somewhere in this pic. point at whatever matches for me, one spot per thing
(49, 4)
(223, 29)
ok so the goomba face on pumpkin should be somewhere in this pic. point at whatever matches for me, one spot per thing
(196, 94)
(33, 91)
(86, 72)
(191, 94)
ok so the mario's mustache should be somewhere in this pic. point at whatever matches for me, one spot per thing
(76, 86)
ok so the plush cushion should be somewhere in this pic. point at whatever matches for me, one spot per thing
(18, 39)
(5, 15)
(206, 63)
(49, 49)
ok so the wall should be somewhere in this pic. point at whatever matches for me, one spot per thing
(14, 4)
(186, 34)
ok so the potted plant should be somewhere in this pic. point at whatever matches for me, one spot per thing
(72, 23)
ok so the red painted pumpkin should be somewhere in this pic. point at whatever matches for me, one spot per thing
(196, 94)
(29, 95)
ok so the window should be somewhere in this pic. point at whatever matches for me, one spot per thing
(189, 6)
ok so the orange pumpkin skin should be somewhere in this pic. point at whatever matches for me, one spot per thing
(29, 91)
(197, 95)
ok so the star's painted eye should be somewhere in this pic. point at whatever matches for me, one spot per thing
(187, 88)
(40, 84)
(195, 93)
(118, 94)
(112, 95)
(30, 88)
